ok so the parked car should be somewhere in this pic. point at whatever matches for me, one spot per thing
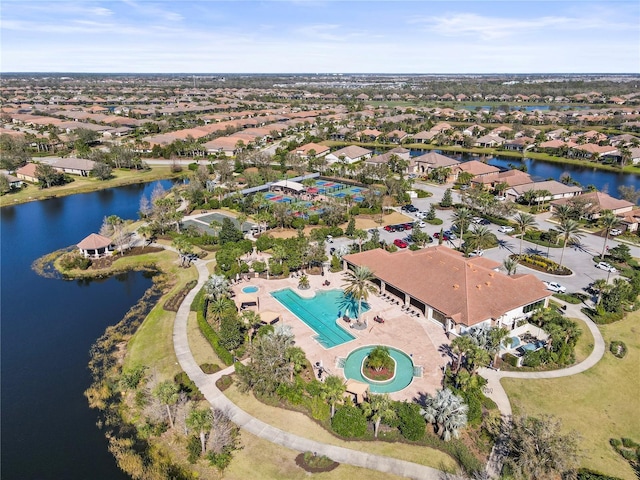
(450, 234)
(421, 224)
(445, 237)
(476, 220)
(607, 267)
(398, 242)
(408, 226)
(477, 253)
(398, 228)
(500, 198)
(332, 250)
(408, 239)
(555, 287)
(421, 214)
(372, 230)
(484, 221)
(388, 228)
(506, 229)
(329, 239)
(615, 232)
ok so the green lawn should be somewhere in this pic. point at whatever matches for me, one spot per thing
(599, 404)
(86, 184)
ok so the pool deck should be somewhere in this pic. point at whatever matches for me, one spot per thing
(417, 337)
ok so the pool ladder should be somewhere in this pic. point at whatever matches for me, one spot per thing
(417, 371)
(340, 361)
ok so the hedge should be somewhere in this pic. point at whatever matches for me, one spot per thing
(349, 422)
(198, 305)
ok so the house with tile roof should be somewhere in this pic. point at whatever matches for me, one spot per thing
(556, 190)
(426, 163)
(350, 154)
(319, 150)
(597, 202)
(454, 291)
(27, 173)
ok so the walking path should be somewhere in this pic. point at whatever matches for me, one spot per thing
(207, 385)
(496, 392)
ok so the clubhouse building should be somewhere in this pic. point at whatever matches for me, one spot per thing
(452, 290)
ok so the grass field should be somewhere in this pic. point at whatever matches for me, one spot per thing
(86, 184)
(299, 424)
(599, 404)
(152, 344)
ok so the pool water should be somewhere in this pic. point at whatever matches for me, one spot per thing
(250, 289)
(402, 378)
(320, 313)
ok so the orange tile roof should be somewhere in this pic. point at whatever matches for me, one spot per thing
(468, 290)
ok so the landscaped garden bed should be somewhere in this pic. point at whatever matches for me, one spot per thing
(542, 264)
(379, 366)
(314, 463)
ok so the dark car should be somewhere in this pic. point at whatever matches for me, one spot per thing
(399, 228)
(332, 250)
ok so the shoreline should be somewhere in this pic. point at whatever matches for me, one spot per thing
(156, 173)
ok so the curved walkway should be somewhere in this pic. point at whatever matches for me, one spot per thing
(496, 392)
(207, 385)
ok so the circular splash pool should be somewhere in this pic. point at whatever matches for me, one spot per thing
(403, 373)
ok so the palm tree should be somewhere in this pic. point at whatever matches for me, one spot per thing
(378, 408)
(480, 237)
(510, 265)
(332, 390)
(447, 411)
(216, 286)
(562, 212)
(460, 346)
(168, 393)
(201, 420)
(608, 220)
(461, 219)
(251, 320)
(570, 231)
(297, 360)
(358, 285)
(218, 308)
(524, 221)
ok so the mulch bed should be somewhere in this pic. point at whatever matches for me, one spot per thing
(379, 376)
(302, 464)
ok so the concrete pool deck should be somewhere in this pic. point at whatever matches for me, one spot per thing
(417, 337)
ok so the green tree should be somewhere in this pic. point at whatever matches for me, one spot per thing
(608, 221)
(379, 358)
(537, 449)
(358, 285)
(480, 237)
(351, 228)
(47, 175)
(5, 187)
(447, 199)
(102, 171)
(570, 231)
(378, 408)
(524, 221)
(510, 265)
(462, 219)
(216, 286)
(201, 420)
(167, 393)
(297, 361)
(332, 391)
(229, 233)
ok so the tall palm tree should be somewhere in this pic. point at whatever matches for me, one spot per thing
(358, 285)
(201, 420)
(252, 321)
(461, 219)
(332, 390)
(167, 393)
(562, 212)
(378, 408)
(570, 231)
(524, 221)
(218, 308)
(609, 220)
(297, 360)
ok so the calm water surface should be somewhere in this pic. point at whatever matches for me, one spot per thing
(48, 326)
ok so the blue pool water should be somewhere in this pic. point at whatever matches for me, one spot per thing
(250, 289)
(403, 375)
(320, 313)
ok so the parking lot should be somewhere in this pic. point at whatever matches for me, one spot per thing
(577, 258)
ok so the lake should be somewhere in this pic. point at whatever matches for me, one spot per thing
(603, 180)
(48, 326)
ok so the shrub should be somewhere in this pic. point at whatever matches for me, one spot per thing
(510, 359)
(210, 368)
(207, 330)
(74, 260)
(435, 221)
(224, 382)
(618, 348)
(349, 422)
(474, 414)
(214, 204)
(586, 474)
(187, 386)
(219, 460)
(423, 193)
(411, 424)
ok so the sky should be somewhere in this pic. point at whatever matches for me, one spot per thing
(330, 36)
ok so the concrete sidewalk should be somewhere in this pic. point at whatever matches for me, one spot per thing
(206, 384)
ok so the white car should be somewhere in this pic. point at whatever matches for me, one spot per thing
(421, 224)
(607, 267)
(506, 229)
(477, 253)
(615, 232)
(500, 198)
(555, 287)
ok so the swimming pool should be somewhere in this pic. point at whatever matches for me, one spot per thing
(403, 374)
(320, 313)
(250, 289)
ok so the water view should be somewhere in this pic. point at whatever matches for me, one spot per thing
(48, 326)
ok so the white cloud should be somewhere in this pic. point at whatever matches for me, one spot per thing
(101, 12)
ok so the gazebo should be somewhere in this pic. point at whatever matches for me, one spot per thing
(96, 246)
(246, 299)
(359, 390)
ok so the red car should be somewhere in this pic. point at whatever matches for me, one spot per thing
(445, 237)
(388, 228)
(400, 243)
